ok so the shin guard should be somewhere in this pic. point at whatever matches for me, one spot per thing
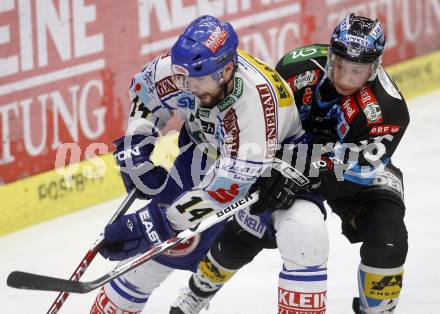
(379, 289)
(210, 277)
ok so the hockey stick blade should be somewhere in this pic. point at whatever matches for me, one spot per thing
(23, 280)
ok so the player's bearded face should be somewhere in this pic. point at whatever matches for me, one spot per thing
(348, 77)
(208, 89)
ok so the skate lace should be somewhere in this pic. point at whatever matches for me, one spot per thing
(189, 303)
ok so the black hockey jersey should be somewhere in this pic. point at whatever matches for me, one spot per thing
(366, 126)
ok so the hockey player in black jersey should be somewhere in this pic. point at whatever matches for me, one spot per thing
(355, 117)
(349, 103)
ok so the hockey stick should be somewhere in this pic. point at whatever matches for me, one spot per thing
(23, 280)
(93, 251)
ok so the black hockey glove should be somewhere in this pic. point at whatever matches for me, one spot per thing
(287, 176)
(276, 192)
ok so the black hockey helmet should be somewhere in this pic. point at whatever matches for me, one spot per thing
(358, 39)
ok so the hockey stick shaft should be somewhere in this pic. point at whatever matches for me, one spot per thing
(93, 251)
(24, 280)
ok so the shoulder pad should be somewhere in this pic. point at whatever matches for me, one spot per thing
(144, 80)
(388, 84)
(304, 53)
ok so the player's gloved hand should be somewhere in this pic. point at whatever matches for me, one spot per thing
(135, 233)
(137, 170)
(276, 192)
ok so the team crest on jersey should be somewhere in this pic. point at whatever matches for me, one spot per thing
(308, 78)
(184, 248)
(370, 105)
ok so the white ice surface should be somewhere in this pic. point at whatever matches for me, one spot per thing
(56, 247)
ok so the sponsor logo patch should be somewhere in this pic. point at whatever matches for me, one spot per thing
(308, 96)
(242, 168)
(308, 78)
(212, 272)
(373, 113)
(296, 302)
(305, 53)
(250, 223)
(166, 86)
(357, 39)
(383, 287)
(225, 195)
(232, 98)
(103, 305)
(148, 223)
(216, 39)
(384, 129)
(369, 105)
(349, 108)
(390, 181)
(232, 137)
(269, 118)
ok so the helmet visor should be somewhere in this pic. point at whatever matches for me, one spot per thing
(348, 74)
(197, 85)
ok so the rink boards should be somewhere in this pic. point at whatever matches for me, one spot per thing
(57, 192)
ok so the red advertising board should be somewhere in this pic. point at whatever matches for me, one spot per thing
(65, 65)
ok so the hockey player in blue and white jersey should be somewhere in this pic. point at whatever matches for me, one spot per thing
(236, 111)
(349, 105)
